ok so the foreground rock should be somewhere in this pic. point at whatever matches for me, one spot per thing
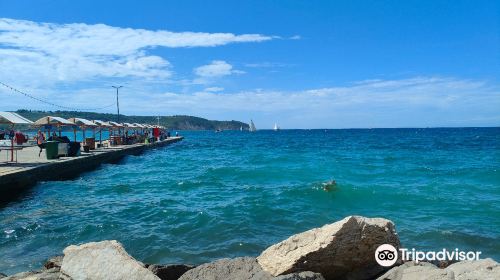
(342, 250)
(486, 269)
(49, 274)
(410, 270)
(240, 268)
(102, 260)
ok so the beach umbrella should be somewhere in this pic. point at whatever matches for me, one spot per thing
(116, 125)
(101, 124)
(12, 119)
(50, 121)
(83, 124)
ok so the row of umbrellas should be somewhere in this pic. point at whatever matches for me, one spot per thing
(14, 118)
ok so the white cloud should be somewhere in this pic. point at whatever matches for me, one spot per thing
(216, 69)
(266, 65)
(214, 89)
(44, 53)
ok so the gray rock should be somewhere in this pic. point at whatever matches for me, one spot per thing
(169, 272)
(342, 250)
(306, 275)
(20, 275)
(50, 274)
(238, 268)
(2, 275)
(412, 271)
(106, 260)
(245, 268)
(485, 269)
(54, 262)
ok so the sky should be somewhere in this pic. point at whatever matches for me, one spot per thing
(301, 64)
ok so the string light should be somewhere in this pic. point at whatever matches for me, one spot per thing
(50, 103)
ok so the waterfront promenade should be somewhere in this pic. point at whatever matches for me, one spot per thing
(30, 169)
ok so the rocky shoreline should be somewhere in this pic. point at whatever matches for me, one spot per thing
(342, 250)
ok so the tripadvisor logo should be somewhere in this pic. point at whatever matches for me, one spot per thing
(387, 255)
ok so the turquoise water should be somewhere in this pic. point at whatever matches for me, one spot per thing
(231, 194)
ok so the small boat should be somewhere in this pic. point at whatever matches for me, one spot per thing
(218, 130)
(252, 127)
(276, 127)
(241, 128)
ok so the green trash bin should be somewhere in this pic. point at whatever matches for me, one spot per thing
(51, 149)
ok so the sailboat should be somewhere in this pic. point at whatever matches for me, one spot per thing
(241, 128)
(252, 127)
(276, 127)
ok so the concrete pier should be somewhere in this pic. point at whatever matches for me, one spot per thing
(31, 169)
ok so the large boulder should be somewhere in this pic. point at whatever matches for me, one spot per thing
(245, 268)
(342, 250)
(485, 269)
(106, 260)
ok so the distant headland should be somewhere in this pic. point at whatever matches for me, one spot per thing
(176, 122)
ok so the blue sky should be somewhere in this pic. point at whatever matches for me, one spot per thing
(303, 64)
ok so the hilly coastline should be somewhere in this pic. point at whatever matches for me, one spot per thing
(178, 122)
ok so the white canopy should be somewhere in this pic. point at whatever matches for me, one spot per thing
(100, 123)
(138, 125)
(115, 124)
(130, 125)
(49, 120)
(13, 118)
(82, 122)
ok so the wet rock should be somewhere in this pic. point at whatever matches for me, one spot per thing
(169, 272)
(342, 250)
(102, 260)
(2, 275)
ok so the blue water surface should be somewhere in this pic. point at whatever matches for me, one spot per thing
(234, 193)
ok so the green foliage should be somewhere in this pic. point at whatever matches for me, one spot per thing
(171, 122)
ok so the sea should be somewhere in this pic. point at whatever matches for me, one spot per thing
(234, 193)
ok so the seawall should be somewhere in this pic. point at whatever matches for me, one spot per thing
(21, 176)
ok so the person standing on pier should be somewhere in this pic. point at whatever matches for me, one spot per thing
(40, 141)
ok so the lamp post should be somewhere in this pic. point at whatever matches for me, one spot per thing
(117, 104)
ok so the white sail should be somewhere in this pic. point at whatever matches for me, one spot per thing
(276, 127)
(252, 126)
